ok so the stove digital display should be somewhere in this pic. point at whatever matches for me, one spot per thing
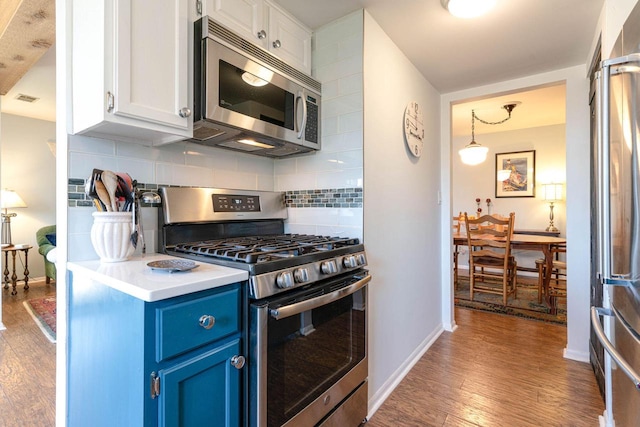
(235, 203)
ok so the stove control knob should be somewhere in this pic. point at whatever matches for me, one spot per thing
(361, 259)
(301, 275)
(329, 267)
(349, 261)
(285, 280)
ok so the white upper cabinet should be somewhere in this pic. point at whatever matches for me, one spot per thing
(288, 39)
(267, 25)
(245, 17)
(130, 70)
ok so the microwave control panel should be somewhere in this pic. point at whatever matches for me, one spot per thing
(311, 130)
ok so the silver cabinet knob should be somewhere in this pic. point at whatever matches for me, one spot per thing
(277, 44)
(301, 275)
(237, 361)
(262, 34)
(184, 112)
(285, 280)
(207, 321)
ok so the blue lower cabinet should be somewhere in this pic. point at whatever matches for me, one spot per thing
(203, 391)
(175, 362)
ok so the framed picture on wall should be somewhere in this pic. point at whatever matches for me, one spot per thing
(516, 174)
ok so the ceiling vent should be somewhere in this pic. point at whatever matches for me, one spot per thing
(26, 98)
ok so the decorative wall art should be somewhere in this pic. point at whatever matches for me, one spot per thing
(522, 176)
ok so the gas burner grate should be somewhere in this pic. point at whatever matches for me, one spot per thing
(256, 249)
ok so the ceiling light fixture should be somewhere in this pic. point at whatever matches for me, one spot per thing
(468, 8)
(474, 153)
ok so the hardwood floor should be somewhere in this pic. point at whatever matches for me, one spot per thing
(27, 363)
(495, 370)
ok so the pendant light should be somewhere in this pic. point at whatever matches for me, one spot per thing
(468, 8)
(474, 153)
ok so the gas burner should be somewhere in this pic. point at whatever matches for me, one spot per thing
(259, 249)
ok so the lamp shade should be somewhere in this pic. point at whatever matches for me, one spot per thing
(552, 192)
(473, 154)
(11, 199)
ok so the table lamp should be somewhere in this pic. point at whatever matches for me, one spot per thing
(551, 193)
(10, 199)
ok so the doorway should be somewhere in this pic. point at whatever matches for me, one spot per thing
(534, 133)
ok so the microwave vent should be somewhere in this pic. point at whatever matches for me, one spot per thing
(228, 36)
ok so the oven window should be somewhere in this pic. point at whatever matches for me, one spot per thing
(249, 95)
(309, 352)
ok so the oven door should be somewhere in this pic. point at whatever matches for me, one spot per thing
(308, 352)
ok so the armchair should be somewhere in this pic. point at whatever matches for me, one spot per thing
(46, 238)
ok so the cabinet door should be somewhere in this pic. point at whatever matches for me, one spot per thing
(151, 61)
(289, 40)
(204, 390)
(245, 17)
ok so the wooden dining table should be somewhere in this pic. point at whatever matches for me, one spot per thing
(527, 242)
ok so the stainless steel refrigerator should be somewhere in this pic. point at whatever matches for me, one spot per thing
(617, 323)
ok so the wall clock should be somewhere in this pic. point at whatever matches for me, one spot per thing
(414, 128)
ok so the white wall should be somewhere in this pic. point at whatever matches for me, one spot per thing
(337, 64)
(577, 194)
(401, 216)
(471, 182)
(29, 168)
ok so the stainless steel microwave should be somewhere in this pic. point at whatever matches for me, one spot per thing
(248, 100)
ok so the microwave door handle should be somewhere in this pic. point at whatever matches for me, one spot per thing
(300, 97)
(297, 308)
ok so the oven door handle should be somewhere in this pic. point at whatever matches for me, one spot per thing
(297, 308)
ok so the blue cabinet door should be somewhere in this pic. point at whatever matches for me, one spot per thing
(204, 390)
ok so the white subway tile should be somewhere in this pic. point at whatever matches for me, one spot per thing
(295, 182)
(329, 90)
(86, 144)
(342, 105)
(265, 182)
(235, 180)
(342, 141)
(300, 229)
(350, 122)
(141, 170)
(351, 46)
(350, 217)
(81, 165)
(321, 161)
(351, 178)
(329, 126)
(255, 164)
(350, 159)
(350, 84)
(285, 166)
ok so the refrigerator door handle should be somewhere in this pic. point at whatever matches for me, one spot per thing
(596, 312)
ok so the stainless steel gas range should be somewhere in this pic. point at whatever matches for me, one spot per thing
(305, 302)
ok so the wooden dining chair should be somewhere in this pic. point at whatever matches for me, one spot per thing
(490, 258)
(456, 229)
(558, 274)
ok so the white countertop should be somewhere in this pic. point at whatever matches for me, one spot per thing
(135, 278)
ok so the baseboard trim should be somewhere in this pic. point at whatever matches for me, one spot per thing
(387, 388)
(579, 356)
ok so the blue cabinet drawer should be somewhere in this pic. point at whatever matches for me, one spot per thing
(187, 325)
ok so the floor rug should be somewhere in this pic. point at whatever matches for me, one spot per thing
(525, 306)
(43, 312)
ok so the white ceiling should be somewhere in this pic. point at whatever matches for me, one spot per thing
(518, 38)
